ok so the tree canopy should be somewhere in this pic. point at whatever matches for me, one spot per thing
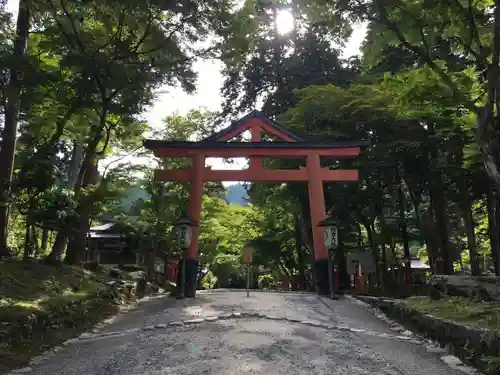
(76, 78)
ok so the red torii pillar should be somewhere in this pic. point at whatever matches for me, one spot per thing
(318, 214)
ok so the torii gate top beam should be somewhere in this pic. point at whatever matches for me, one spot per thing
(289, 144)
(248, 149)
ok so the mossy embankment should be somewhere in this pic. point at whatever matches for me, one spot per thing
(43, 305)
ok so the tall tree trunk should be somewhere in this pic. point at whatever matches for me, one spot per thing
(300, 253)
(384, 266)
(403, 227)
(383, 232)
(88, 175)
(9, 134)
(431, 251)
(75, 164)
(77, 244)
(34, 240)
(27, 240)
(45, 240)
(491, 204)
(466, 204)
(59, 247)
(62, 234)
(374, 248)
(438, 204)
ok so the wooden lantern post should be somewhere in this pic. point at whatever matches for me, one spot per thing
(331, 241)
(184, 233)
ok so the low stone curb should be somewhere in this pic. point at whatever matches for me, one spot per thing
(376, 304)
(205, 291)
(241, 315)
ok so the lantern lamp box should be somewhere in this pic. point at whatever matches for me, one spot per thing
(183, 230)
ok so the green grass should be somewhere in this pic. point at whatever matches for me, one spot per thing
(42, 305)
(27, 287)
(462, 310)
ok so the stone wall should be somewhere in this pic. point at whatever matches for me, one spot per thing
(476, 346)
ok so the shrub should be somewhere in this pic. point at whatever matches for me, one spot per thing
(267, 282)
(209, 281)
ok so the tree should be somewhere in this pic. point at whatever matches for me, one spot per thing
(118, 55)
(458, 43)
(11, 105)
(264, 65)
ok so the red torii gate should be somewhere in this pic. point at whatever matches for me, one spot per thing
(290, 145)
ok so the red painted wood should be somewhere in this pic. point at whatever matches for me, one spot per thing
(170, 271)
(255, 163)
(256, 123)
(264, 175)
(195, 200)
(270, 130)
(317, 204)
(239, 130)
(249, 151)
(314, 174)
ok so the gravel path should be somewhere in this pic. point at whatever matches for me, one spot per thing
(268, 333)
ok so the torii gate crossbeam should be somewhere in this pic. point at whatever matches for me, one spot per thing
(289, 146)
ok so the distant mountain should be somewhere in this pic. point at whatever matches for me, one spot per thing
(130, 197)
(237, 194)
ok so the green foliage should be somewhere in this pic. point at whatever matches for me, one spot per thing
(209, 281)
(267, 282)
(46, 305)
(90, 69)
(261, 64)
(56, 209)
(484, 315)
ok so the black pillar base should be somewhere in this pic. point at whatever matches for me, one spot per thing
(191, 269)
(321, 276)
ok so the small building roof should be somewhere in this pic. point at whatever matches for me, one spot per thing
(105, 235)
(102, 227)
(418, 264)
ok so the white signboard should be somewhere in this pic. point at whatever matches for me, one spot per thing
(331, 238)
(365, 260)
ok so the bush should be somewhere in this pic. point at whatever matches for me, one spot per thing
(209, 281)
(94, 267)
(31, 331)
(170, 287)
(267, 282)
(115, 273)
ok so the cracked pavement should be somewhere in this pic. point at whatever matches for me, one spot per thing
(267, 333)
